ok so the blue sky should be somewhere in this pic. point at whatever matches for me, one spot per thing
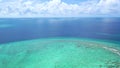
(59, 8)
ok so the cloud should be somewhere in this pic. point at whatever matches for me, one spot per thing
(109, 6)
(57, 8)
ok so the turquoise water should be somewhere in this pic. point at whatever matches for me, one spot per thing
(60, 53)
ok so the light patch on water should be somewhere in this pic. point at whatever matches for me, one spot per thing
(108, 20)
(40, 21)
(56, 20)
(107, 34)
(2, 20)
(5, 25)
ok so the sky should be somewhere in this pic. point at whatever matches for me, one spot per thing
(59, 8)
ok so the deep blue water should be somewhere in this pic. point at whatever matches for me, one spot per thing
(18, 29)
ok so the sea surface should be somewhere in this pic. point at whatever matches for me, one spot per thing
(60, 43)
(20, 29)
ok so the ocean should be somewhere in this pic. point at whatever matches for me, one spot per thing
(19, 29)
(60, 42)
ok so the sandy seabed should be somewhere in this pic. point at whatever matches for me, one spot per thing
(60, 53)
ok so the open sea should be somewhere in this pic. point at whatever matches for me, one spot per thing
(19, 29)
(60, 42)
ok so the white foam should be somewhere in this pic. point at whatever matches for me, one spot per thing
(112, 50)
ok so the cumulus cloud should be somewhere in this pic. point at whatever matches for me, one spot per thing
(57, 8)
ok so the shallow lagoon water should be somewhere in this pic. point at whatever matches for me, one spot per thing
(60, 53)
(81, 43)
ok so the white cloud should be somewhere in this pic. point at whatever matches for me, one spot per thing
(109, 6)
(58, 8)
